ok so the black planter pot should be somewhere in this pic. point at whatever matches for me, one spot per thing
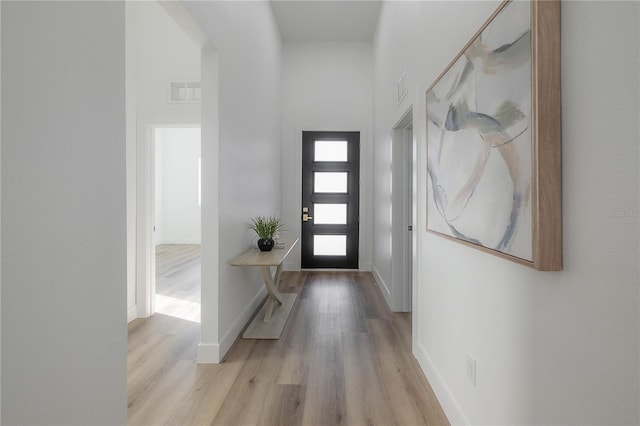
(265, 245)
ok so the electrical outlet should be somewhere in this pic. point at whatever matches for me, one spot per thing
(471, 369)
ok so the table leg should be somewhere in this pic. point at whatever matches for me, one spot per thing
(271, 282)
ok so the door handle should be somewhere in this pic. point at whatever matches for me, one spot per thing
(306, 217)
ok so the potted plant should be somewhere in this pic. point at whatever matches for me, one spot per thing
(266, 227)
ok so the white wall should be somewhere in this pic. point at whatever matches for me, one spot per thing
(131, 44)
(64, 330)
(551, 347)
(164, 53)
(177, 184)
(158, 51)
(326, 86)
(0, 215)
(241, 155)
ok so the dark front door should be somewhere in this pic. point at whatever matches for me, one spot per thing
(330, 199)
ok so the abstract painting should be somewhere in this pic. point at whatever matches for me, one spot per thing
(482, 138)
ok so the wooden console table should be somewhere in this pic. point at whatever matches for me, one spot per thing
(270, 321)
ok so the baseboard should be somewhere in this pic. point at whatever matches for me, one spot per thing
(329, 270)
(132, 313)
(240, 322)
(208, 353)
(365, 267)
(294, 267)
(383, 286)
(290, 266)
(449, 404)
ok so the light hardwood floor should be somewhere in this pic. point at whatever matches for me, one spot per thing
(343, 359)
(178, 280)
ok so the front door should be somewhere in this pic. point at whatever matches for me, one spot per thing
(330, 199)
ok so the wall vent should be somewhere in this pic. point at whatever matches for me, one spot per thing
(184, 92)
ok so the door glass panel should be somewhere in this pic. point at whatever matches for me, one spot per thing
(330, 182)
(330, 151)
(329, 245)
(330, 214)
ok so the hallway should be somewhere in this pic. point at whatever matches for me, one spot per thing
(343, 358)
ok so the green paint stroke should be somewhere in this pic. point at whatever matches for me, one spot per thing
(508, 113)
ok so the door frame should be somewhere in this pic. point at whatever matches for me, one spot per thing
(353, 199)
(403, 206)
(291, 183)
(145, 229)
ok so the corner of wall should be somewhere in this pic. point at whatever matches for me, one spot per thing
(241, 321)
(291, 266)
(383, 286)
(132, 313)
(208, 353)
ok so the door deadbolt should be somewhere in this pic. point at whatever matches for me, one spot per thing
(306, 217)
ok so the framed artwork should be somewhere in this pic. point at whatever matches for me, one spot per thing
(494, 139)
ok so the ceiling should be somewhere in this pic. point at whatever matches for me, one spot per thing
(326, 20)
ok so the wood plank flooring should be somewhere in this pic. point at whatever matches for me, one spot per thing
(343, 359)
(178, 271)
(178, 280)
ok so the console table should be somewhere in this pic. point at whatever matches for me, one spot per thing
(270, 321)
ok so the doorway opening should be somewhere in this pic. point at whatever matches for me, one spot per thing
(403, 212)
(330, 199)
(177, 219)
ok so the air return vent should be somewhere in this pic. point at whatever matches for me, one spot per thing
(184, 92)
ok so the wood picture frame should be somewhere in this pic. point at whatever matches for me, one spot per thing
(494, 124)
